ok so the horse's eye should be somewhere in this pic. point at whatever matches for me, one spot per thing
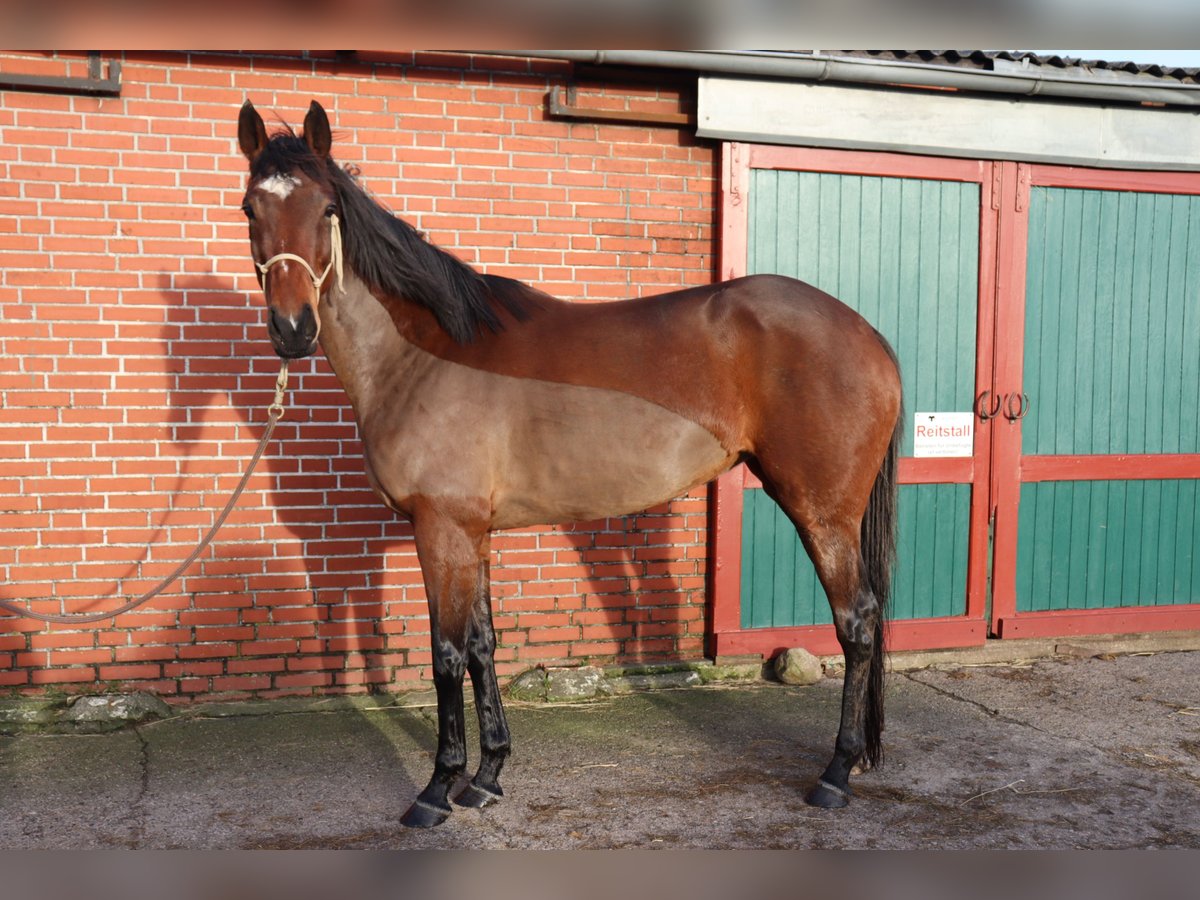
(248, 210)
(330, 210)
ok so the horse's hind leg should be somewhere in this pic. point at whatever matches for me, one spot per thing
(857, 620)
(494, 743)
(834, 545)
(452, 546)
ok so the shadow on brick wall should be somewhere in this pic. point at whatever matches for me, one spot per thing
(297, 581)
(636, 586)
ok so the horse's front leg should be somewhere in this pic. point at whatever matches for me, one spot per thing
(494, 742)
(452, 545)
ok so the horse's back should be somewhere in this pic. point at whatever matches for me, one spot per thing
(712, 353)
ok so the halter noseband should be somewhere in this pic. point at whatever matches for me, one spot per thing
(335, 259)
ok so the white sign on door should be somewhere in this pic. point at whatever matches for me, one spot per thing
(943, 434)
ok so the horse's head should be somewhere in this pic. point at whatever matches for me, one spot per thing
(292, 209)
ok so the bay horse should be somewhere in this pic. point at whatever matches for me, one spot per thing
(484, 404)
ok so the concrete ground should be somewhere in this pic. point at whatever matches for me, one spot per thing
(1062, 752)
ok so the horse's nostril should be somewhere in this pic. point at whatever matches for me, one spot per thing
(274, 328)
(308, 324)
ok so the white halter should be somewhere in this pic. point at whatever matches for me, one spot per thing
(335, 259)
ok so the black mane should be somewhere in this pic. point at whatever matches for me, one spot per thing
(392, 257)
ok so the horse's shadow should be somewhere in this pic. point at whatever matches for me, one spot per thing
(308, 522)
(638, 588)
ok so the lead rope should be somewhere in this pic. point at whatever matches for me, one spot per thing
(274, 414)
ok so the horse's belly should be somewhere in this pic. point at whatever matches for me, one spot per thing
(576, 453)
(536, 452)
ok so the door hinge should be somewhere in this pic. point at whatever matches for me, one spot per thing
(1023, 179)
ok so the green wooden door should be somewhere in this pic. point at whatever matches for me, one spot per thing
(1112, 370)
(904, 252)
(1077, 289)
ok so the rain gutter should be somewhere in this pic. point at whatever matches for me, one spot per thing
(1023, 81)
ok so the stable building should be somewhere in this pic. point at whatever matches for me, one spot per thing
(1024, 229)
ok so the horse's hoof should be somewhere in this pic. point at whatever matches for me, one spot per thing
(826, 796)
(425, 815)
(475, 797)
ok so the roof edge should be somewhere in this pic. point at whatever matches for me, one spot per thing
(1017, 81)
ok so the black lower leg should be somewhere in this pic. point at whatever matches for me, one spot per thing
(833, 788)
(494, 740)
(856, 633)
(432, 805)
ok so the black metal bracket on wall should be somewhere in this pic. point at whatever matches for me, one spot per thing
(94, 85)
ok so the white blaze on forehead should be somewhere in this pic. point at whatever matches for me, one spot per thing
(279, 185)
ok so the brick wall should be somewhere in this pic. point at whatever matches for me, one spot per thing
(134, 372)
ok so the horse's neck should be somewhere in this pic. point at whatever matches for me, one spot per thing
(363, 345)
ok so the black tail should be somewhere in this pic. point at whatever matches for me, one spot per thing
(878, 554)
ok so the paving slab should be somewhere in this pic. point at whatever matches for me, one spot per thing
(1074, 752)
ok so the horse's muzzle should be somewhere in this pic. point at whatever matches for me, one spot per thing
(293, 338)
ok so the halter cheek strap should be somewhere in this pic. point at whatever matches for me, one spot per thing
(335, 259)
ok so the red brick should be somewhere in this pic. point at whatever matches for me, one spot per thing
(241, 683)
(131, 654)
(304, 679)
(265, 648)
(62, 676)
(258, 664)
(129, 673)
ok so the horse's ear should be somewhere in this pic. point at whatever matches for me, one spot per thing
(252, 133)
(316, 130)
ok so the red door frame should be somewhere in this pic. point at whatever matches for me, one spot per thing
(727, 637)
(1011, 468)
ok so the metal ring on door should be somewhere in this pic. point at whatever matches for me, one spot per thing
(991, 410)
(1014, 412)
